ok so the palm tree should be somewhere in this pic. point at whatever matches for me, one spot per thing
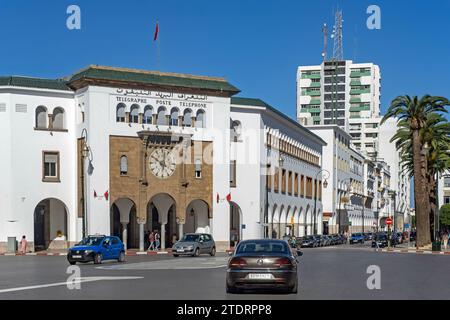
(412, 114)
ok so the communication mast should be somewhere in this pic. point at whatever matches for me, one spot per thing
(338, 56)
(325, 41)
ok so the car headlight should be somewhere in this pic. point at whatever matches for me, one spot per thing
(88, 252)
(190, 247)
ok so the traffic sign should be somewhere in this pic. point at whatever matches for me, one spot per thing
(389, 221)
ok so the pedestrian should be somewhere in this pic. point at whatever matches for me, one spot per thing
(174, 239)
(23, 245)
(157, 240)
(445, 240)
(151, 239)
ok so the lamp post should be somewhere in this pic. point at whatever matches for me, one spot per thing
(86, 153)
(325, 185)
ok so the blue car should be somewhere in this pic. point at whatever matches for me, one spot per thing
(97, 249)
(357, 238)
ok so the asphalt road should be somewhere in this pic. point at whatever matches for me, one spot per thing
(325, 273)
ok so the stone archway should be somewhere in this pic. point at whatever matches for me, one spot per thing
(198, 217)
(123, 222)
(235, 224)
(50, 225)
(161, 211)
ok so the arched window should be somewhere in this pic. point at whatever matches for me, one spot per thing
(58, 118)
(120, 112)
(123, 165)
(134, 114)
(161, 117)
(174, 117)
(236, 129)
(41, 117)
(200, 120)
(148, 115)
(187, 118)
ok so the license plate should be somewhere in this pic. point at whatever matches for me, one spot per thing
(180, 250)
(77, 257)
(260, 276)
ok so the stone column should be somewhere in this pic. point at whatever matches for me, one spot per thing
(180, 230)
(141, 237)
(163, 236)
(125, 234)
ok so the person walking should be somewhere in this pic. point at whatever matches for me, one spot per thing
(23, 245)
(151, 240)
(157, 240)
(445, 240)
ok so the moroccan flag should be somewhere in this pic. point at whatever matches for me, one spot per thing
(229, 197)
(106, 195)
(218, 198)
(95, 194)
(156, 32)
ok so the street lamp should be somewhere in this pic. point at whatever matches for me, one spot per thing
(325, 185)
(340, 202)
(86, 153)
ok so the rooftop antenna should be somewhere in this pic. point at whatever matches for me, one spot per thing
(337, 36)
(325, 41)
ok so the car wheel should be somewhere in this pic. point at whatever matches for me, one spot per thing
(197, 252)
(232, 290)
(121, 257)
(72, 263)
(294, 289)
(213, 252)
(98, 258)
(175, 256)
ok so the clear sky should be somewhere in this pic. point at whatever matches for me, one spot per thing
(256, 44)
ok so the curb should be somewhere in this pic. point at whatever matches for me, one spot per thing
(60, 254)
(413, 251)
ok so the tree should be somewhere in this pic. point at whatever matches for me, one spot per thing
(412, 115)
(444, 215)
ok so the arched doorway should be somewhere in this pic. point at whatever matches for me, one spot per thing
(161, 217)
(197, 217)
(123, 222)
(50, 225)
(235, 224)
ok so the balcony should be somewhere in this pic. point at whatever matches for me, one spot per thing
(310, 76)
(359, 91)
(315, 85)
(355, 100)
(311, 93)
(359, 74)
(355, 82)
(315, 101)
(360, 108)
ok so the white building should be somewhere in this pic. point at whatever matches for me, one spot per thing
(122, 152)
(340, 92)
(343, 198)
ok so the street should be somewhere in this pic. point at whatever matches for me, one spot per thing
(325, 273)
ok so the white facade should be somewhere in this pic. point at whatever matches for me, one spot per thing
(41, 186)
(343, 199)
(341, 93)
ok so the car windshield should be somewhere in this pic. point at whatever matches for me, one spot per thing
(190, 238)
(91, 241)
(357, 234)
(262, 247)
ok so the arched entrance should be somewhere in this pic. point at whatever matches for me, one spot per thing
(197, 217)
(50, 225)
(123, 222)
(235, 224)
(161, 217)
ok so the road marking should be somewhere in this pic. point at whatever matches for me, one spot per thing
(173, 264)
(79, 280)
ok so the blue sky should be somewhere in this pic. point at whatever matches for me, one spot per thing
(257, 45)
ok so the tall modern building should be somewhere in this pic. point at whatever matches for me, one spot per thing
(342, 93)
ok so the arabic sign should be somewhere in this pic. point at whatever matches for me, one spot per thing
(162, 95)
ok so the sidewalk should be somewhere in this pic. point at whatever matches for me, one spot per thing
(403, 248)
(130, 252)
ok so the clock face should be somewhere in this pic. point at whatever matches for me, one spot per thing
(162, 163)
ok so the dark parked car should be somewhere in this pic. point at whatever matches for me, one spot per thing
(380, 241)
(194, 244)
(263, 264)
(97, 249)
(309, 242)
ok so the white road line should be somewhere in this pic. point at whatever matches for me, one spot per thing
(80, 280)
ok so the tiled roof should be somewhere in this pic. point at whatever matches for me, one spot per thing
(260, 103)
(154, 78)
(17, 81)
